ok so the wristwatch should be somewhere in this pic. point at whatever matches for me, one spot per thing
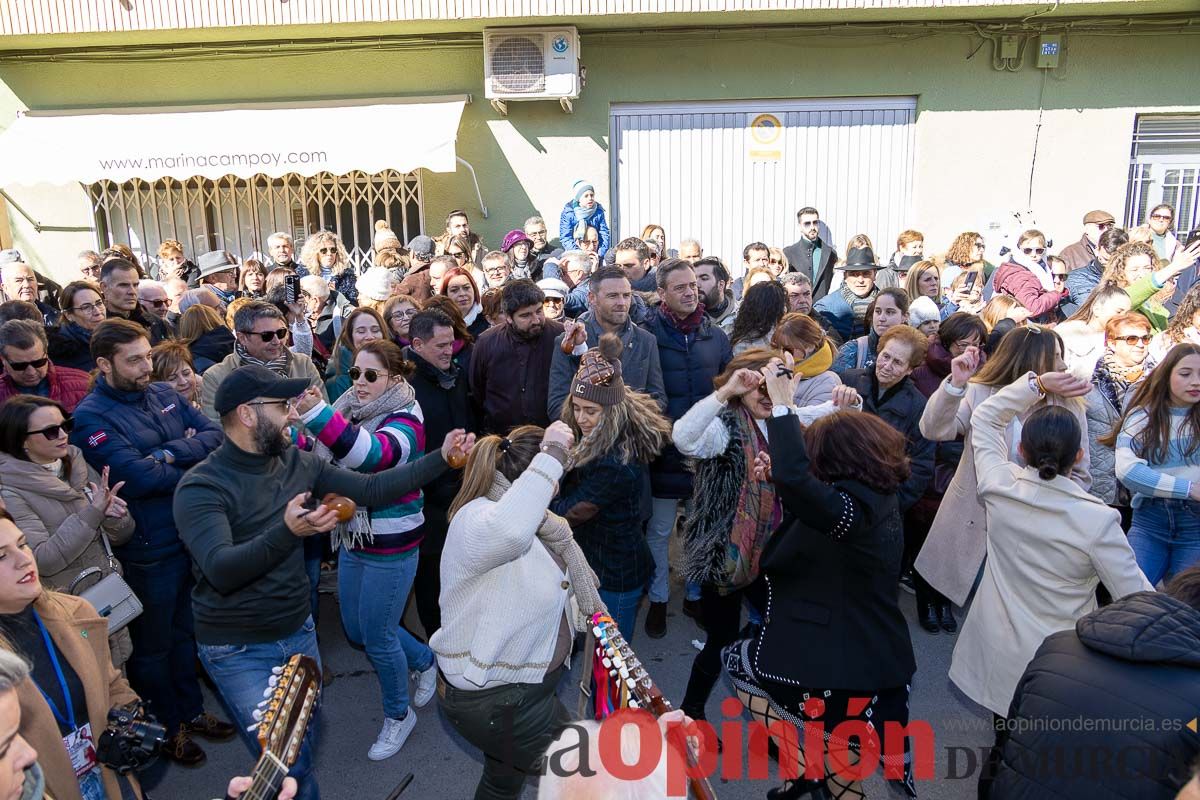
(782, 411)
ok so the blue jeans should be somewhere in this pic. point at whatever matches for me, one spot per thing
(658, 537)
(313, 548)
(162, 669)
(1165, 537)
(623, 608)
(241, 671)
(372, 593)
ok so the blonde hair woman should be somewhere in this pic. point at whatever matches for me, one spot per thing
(325, 256)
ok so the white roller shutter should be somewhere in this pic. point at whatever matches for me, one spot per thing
(701, 170)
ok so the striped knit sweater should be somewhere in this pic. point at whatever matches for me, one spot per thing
(398, 438)
(1171, 478)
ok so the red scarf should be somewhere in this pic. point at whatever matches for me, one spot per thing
(686, 325)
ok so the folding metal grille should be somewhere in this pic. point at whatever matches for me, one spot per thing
(238, 214)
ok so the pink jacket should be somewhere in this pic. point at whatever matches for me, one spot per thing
(1017, 281)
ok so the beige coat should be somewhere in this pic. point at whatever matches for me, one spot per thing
(61, 525)
(1049, 543)
(299, 366)
(957, 541)
(79, 633)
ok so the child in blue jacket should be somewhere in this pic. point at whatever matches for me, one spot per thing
(581, 213)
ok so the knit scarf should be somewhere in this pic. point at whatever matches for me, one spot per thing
(818, 363)
(734, 515)
(685, 325)
(583, 214)
(357, 532)
(1121, 376)
(858, 305)
(556, 535)
(277, 365)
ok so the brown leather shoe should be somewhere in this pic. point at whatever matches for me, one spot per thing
(656, 621)
(210, 727)
(182, 750)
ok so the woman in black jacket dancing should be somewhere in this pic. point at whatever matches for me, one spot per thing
(830, 578)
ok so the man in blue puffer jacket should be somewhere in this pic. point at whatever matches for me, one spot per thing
(148, 435)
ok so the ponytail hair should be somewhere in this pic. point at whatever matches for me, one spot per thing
(1050, 441)
(490, 454)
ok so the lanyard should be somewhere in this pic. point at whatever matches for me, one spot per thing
(69, 719)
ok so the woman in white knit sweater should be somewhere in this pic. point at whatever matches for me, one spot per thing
(515, 589)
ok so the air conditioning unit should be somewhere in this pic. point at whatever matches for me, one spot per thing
(531, 64)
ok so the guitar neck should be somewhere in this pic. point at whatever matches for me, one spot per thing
(267, 778)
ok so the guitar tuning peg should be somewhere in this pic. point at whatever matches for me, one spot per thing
(273, 681)
(264, 703)
(268, 692)
(257, 714)
(277, 670)
(252, 728)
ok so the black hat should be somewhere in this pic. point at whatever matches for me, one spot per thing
(859, 258)
(907, 262)
(251, 381)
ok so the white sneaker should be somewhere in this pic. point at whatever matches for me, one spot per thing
(395, 732)
(426, 686)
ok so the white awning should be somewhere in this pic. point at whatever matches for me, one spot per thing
(271, 139)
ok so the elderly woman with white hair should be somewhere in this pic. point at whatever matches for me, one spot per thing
(326, 311)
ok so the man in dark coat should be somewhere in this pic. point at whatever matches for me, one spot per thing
(120, 279)
(810, 255)
(148, 435)
(510, 367)
(441, 390)
(1080, 253)
(1132, 670)
(692, 351)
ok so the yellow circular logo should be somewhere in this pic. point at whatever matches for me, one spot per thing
(766, 128)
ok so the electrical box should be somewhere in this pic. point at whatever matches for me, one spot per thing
(1009, 46)
(1049, 48)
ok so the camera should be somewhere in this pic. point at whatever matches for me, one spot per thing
(132, 740)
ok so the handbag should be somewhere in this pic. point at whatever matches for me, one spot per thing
(110, 596)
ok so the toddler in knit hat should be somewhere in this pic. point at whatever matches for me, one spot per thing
(581, 212)
(923, 314)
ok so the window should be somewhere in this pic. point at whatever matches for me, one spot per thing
(1165, 168)
(238, 214)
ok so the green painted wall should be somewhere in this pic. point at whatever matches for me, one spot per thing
(1098, 72)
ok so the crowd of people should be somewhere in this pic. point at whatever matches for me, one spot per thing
(520, 434)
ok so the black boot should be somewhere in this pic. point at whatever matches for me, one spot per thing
(927, 615)
(946, 617)
(797, 790)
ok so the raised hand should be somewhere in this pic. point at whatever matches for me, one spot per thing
(963, 367)
(845, 397)
(559, 433)
(458, 441)
(781, 380)
(1064, 384)
(309, 400)
(302, 522)
(741, 382)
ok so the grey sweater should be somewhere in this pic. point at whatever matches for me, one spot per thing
(251, 585)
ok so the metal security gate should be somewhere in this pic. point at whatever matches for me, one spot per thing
(238, 214)
(1165, 168)
(730, 173)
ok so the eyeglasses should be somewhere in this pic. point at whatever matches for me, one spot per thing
(21, 366)
(327, 251)
(288, 403)
(811, 224)
(1029, 251)
(54, 431)
(411, 312)
(458, 255)
(89, 308)
(371, 375)
(1164, 217)
(1132, 341)
(979, 245)
(775, 261)
(269, 336)
(159, 303)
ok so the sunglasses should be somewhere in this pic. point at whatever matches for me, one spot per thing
(1164, 217)
(21, 366)
(458, 255)
(327, 250)
(812, 224)
(979, 245)
(371, 375)
(1059, 276)
(1134, 340)
(1029, 251)
(269, 336)
(775, 261)
(762, 389)
(1104, 226)
(54, 431)
(159, 303)
(557, 301)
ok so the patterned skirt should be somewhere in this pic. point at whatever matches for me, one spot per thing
(830, 708)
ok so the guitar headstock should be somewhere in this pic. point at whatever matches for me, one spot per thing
(289, 709)
(624, 665)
